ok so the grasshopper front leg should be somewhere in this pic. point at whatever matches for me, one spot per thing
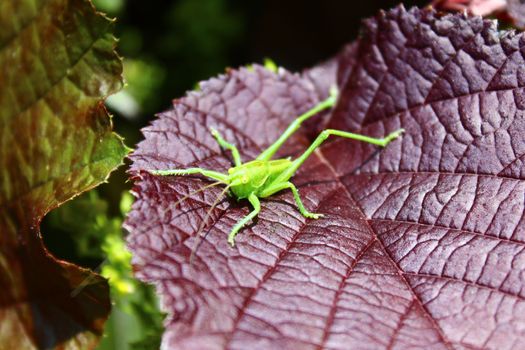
(190, 171)
(276, 187)
(256, 208)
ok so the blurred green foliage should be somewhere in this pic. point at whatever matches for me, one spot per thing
(190, 41)
(110, 6)
(135, 321)
(143, 79)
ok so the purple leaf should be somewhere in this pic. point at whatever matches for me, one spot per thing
(474, 7)
(422, 243)
(516, 12)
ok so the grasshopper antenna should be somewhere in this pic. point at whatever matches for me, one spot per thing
(199, 236)
(197, 191)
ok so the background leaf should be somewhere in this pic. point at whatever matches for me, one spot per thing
(474, 7)
(422, 246)
(58, 65)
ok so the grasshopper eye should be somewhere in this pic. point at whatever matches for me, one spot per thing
(244, 179)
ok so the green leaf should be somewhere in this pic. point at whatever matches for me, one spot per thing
(58, 65)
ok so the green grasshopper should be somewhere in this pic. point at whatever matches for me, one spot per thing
(263, 177)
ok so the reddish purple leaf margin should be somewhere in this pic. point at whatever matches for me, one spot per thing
(423, 243)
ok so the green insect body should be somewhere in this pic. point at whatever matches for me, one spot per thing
(263, 177)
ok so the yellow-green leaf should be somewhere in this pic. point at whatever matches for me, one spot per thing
(57, 65)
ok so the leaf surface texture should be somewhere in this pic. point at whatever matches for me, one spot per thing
(422, 243)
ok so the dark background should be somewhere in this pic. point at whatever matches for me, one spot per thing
(192, 40)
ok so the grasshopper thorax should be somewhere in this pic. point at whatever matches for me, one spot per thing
(254, 176)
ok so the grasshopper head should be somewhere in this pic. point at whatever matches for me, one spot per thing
(248, 178)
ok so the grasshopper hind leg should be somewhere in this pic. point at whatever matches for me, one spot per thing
(285, 185)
